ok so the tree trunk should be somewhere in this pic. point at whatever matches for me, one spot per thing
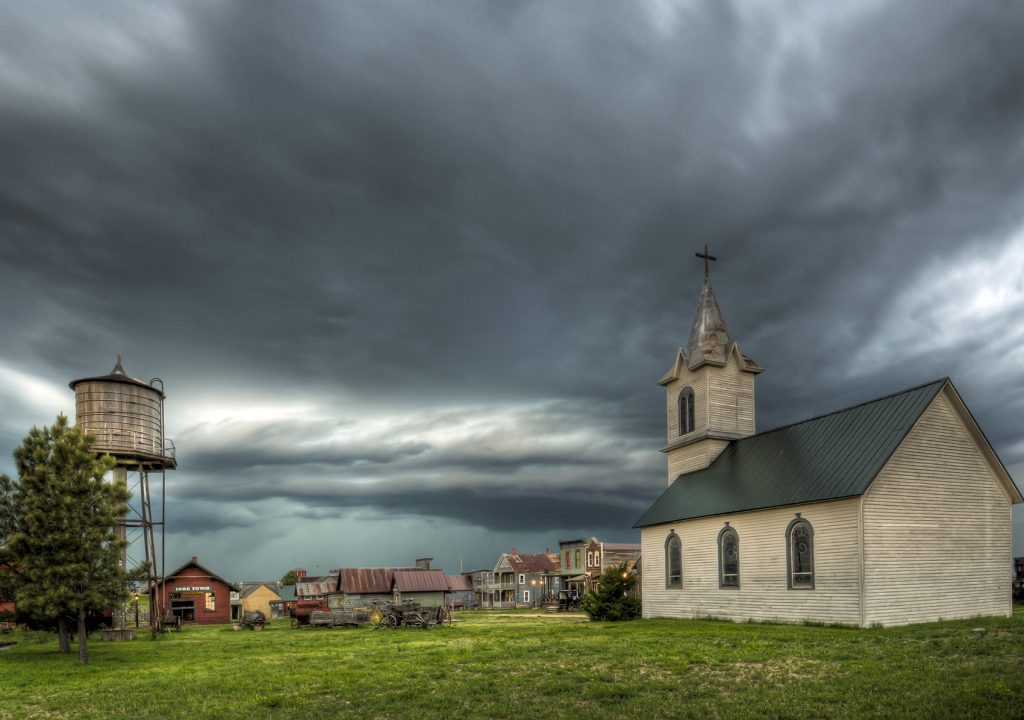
(83, 651)
(63, 635)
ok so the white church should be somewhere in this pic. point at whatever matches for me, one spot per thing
(890, 512)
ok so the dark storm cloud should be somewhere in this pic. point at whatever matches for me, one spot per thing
(400, 208)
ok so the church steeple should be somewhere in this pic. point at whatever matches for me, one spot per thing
(709, 390)
(709, 338)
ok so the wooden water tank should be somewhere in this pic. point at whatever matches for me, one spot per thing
(125, 416)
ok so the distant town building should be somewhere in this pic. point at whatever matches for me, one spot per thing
(522, 580)
(461, 593)
(259, 596)
(197, 595)
(584, 559)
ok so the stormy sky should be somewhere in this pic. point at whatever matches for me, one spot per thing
(410, 270)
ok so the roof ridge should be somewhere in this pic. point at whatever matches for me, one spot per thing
(845, 409)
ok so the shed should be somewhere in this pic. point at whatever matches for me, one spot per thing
(361, 587)
(282, 607)
(461, 592)
(427, 587)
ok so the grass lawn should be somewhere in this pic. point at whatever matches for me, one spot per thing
(528, 666)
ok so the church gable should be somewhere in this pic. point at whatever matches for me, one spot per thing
(938, 509)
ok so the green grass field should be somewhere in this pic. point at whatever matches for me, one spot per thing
(527, 666)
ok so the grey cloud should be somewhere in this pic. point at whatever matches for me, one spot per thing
(418, 206)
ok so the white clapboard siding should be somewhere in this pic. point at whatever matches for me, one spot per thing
(936, 528)
(731, 399)
(763, 593)
(692, 457)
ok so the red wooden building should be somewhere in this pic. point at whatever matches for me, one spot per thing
(197, 595)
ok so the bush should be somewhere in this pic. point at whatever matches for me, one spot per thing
(612, 599)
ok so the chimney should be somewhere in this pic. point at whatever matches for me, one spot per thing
(423, 563)
(514, 552)
(194, 560)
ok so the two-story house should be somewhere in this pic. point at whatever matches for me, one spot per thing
(523, 579)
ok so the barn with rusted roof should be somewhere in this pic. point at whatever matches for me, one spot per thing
(361, 587)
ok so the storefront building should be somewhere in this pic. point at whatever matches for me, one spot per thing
(197, 595)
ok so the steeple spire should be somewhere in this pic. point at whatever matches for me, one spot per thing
(708, 336)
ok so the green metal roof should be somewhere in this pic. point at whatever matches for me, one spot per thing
(824, 458)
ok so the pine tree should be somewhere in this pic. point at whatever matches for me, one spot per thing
(612, 599)
(60, 530)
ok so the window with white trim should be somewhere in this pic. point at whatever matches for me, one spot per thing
(728, 557)
(800, 554)
(673, 561)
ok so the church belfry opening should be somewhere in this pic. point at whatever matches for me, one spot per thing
(686, 411)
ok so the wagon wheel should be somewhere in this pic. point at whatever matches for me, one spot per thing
(393, 621)
(378, 619)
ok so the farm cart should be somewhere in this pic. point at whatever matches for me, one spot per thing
(254, 620)
(428, 617)
(391, 616)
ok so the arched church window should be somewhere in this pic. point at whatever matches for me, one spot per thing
(728, 557)
(673, 561)
(686, 411)
(800, 554)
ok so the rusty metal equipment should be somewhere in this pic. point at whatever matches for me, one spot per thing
(301, 613)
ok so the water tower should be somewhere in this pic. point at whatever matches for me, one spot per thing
(126, 418)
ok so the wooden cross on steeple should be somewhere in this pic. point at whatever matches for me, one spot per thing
(706, 258)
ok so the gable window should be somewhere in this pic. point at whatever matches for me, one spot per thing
(800, 554)
(590, 558)
(686, 411)
(522, 579)
(728, 557)
(673, 561)
(597, 558)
